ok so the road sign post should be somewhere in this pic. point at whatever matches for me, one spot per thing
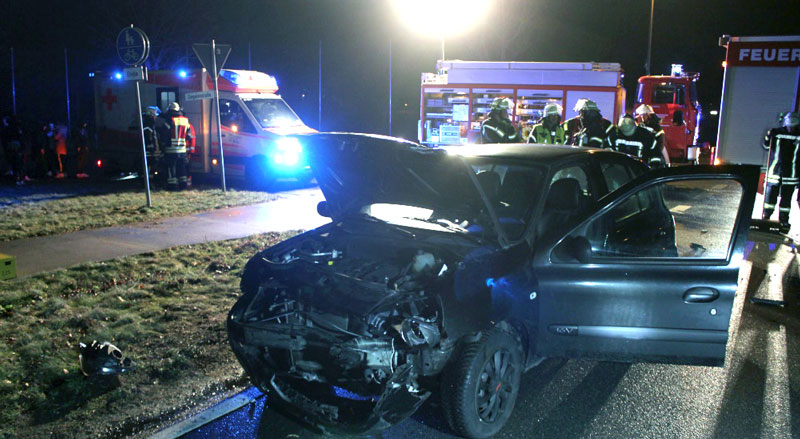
(208, 54)
(133, 48)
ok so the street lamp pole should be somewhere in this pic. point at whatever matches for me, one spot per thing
(649, 40)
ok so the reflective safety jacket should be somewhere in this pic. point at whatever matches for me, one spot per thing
(498, 130)
(179, 132)
(654, 125)
(150, 136)
(784, 156)
(593, 135)
(541, 134)
(641, 144)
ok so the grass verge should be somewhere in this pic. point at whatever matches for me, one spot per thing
(41, 218)
(165, 310)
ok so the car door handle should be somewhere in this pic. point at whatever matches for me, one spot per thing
(700, 295)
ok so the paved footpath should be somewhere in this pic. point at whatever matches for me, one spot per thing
(295, 210)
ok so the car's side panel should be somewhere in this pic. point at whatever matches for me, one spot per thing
(667, 309)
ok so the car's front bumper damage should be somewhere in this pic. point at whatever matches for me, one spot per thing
(319, 377)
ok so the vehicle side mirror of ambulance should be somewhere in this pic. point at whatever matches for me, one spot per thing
(677, 118)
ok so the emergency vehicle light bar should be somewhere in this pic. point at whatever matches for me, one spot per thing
(248, 79)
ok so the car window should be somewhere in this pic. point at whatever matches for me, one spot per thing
(616, 175)
(692, 218)
(577, 173)
(271, 112)
(232, 116)
(669, 93)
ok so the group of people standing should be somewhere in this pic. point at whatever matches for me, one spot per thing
(639, 136)
(46, 152)
(169, 142)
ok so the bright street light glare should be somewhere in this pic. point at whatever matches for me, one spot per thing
(440, 18)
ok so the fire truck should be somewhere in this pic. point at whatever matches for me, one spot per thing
(674, 100)
(454, 100)
(256, 123)
(761, 81)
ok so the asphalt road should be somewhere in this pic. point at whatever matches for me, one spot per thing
(756, 394)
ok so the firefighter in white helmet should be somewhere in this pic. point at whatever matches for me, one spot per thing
(497, 127)
(175, 137)
(636, 141)
(589, 128)
(783, 144)
(647, 118)
(549, 130)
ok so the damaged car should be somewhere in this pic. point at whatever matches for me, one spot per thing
(457, 270)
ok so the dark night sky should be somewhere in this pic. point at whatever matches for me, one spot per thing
(284, 37)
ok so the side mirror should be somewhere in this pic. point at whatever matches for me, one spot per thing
(577, 248)
(677, 118)
(323, 209)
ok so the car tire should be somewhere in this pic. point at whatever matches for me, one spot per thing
(480, 386)
(257, 174)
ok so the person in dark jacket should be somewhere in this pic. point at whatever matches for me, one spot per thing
(176, 131)
(12, 143)
(647, 118)
(589, 128)
(497, 128)
(636, 141)
(783, 144)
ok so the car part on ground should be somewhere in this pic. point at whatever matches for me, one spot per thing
(103, 359)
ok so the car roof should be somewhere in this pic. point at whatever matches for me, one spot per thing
(526, 152)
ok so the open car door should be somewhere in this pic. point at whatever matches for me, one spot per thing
(651, 273)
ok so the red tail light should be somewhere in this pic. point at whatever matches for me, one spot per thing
(99, 163)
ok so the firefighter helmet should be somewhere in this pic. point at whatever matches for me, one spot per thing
(552, 109)
(791, 120)
(643, 110)
(585, 105)
(626, 125)
(175, 106)
(152, 111)
(500, 104)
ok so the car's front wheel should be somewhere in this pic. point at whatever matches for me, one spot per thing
(480, 388)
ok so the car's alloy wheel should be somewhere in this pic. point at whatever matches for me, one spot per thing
(480, 388)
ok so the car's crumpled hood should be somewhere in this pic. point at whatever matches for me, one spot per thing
(354, 170)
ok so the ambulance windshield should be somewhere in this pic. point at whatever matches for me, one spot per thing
(272, 113)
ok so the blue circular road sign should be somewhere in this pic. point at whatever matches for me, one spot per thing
(133, 46)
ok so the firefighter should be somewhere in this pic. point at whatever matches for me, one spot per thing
(589, 128)
(549, 130)
(497, 127)
(176, 129)
(783, 144)
(636, 141)
(647, 118)
(190, 149)
(151, 139)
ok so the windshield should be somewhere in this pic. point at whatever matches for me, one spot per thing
(272, 112)
(512, 190)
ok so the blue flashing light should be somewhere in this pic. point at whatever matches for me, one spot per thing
(91, 74)
(230, 76)
(118, 75)
(182, 73)
(288, 152)
(490, 282)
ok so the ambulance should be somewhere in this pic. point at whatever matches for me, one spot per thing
(256, 123)
(457, 97)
